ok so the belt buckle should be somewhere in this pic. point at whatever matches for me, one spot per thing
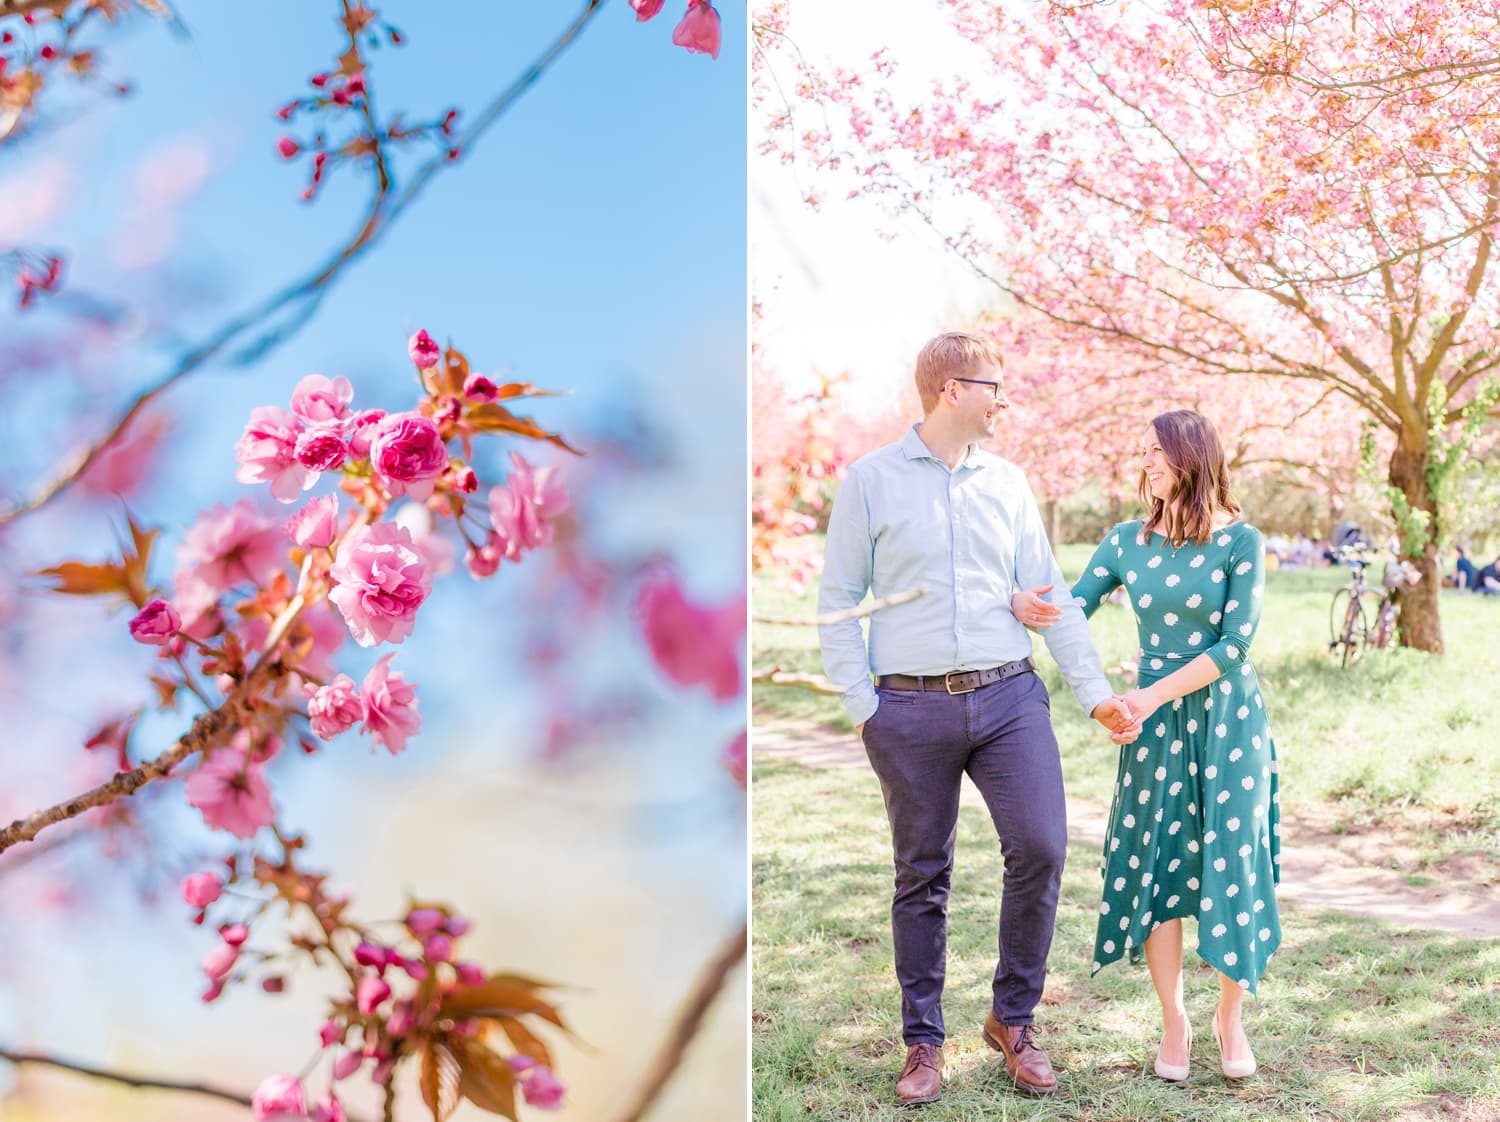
(948, 683)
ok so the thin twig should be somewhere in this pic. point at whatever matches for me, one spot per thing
(776, 676)
(689, 1020)
(312, 287)
(44, 1060)
(849, 613)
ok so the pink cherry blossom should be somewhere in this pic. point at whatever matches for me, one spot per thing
(402, 1019)
(319, 400)
(423, 350)
(470, 973)
(334, 708)
(316, 524)
(692, 645)
(699, 29)
(278, 1097)
(226, 547)
(234, 934)
(231, 793)
(370, 992)
(321, 450)
(268, 453)
(645, 9)
(390, 702)
(359, 430)
(522, 510)
(484, 561)
(424, 921)
(201, 889)
(347, 1064)
(330, 1034)
(329, 1109)
(408, 454)
(380, 580)
(287, 147)
(542, 1089)
(368, 954)
(155, 624)
(437, 948)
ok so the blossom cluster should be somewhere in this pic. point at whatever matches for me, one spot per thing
(699, 29)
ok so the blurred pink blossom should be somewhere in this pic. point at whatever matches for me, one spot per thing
(278, 1097)
(692, 645)
(390, 707)
(316, 524)
(699, 29)
(231, 793)
(201, 889)
(319, 400)
(522, 510)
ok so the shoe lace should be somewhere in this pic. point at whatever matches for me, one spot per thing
(923, 1055)
(1023, 1038)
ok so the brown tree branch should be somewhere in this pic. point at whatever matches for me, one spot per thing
(869, 609)
(41, 1059)
(776, 676)
(689, 1021)
(302, 296)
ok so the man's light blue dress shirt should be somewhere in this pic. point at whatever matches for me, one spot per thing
(972, 535)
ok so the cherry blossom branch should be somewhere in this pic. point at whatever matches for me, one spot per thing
(895, 598)
(776, 676)
(310, 289)
(41, 1059)
(689, 1021)
(143, 1082)
(206, 730)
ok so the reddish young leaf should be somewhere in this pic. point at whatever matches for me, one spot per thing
(75, 578)
(496, 418)
(485, 1079)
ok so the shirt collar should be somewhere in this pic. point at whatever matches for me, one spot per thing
(916, 449)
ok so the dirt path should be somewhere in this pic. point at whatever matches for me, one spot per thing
(1319, 867)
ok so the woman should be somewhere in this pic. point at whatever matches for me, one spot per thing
(1193, 827)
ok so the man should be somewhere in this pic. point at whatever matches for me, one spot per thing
(1487, 579)
(957, 692)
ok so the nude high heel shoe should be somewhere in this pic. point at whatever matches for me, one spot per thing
(1233, 1069)
(1174, 1073)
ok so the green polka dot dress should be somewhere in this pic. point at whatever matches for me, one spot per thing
(1193, 828)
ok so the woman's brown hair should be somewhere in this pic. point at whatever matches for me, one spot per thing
(1201, 485)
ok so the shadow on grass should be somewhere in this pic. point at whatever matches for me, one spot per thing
(1356, 1020)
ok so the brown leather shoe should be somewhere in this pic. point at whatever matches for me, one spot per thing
(1028, 1065)
(922, 1078)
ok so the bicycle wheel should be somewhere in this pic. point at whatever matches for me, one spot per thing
(1350, 626)
(1385, 625)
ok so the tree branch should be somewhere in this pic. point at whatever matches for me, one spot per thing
(41, 1059)
(776, 676)
(869, 609)
(303, 295)
(689, 1020)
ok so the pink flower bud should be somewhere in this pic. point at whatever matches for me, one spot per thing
(329, 1109)
(320, 450)
(381, 1075)
(450, 409)
(48, 52)
(423, 350)
(402, 1019)
(415, 969)
(542, 1089)
(220, 961)
(457, 926)
(273, 984)
(331, 1033)
(421, 921)
(370, 992)
(484, 561)
(234, 934)
(212, 993)
(287, 147)
(201, 889)
(286, 111)
(470, 973)
(519, 1063)
(368, 954)
(319, 80)
(277, 1096)
(155, 624)
(347, 1064)
(733, 760)
(438, 948)
(316, 524)
(465, 480)
(479, 388)
(645, 9)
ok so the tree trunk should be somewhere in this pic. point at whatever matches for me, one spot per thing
(1052, 516)
(1418, 625)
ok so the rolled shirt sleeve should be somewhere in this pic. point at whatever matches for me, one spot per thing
(848, 564)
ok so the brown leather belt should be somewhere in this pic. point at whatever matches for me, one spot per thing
(956, 681)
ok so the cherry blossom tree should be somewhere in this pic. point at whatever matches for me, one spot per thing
(1168, 194)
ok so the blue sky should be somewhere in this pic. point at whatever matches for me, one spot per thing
(593, 241)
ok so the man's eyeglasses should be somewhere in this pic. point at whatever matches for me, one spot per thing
(995, 386)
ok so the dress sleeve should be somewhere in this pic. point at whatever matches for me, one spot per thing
(1247, 585)
(1100, 576)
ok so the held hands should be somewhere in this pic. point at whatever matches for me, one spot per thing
(1032, 610)
(1124, 716)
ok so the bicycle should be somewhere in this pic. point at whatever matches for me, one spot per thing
(1349, 622)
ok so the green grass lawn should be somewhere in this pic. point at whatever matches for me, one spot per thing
(1396, 728)
(1355, 1020)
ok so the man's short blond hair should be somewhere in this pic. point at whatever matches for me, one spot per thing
(951, 355)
